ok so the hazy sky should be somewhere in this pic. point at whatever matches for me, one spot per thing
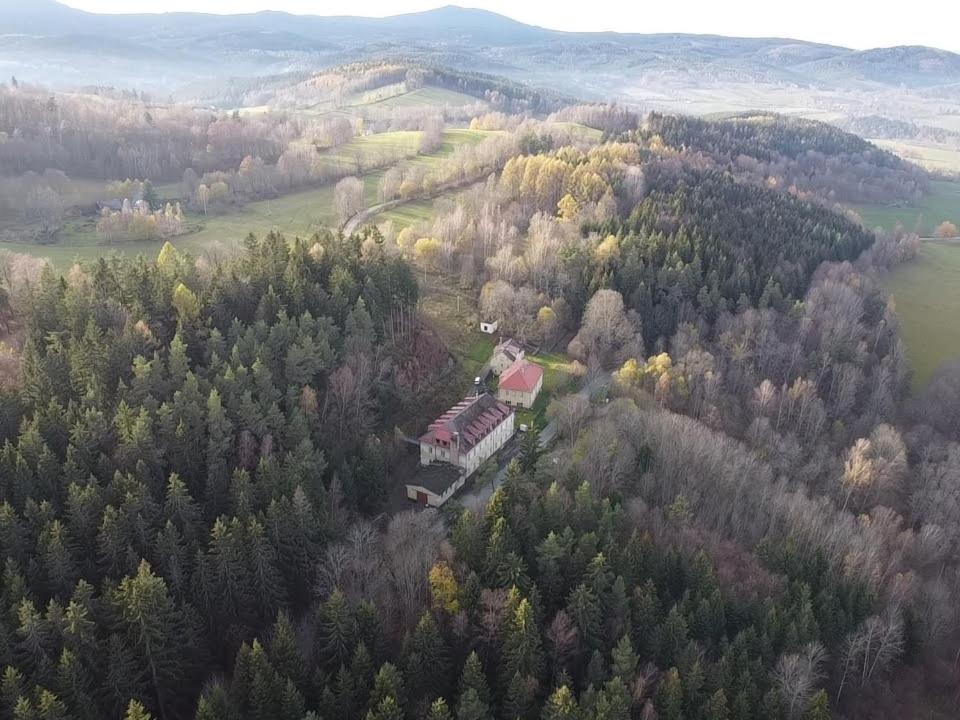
(854, 23)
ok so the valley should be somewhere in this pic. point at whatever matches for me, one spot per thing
(439, 366)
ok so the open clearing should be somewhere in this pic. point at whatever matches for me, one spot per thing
(421, 97)
(931, 157)
(942, 203)
(927, 296)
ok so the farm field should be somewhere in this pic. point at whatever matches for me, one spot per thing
(407, 214)
(927, 296)
(942, 203)
(931, 157)
(297, 213)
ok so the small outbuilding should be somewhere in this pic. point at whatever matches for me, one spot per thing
(489, 327)
(434, 484)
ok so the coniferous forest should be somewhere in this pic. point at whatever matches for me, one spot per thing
(180, 469)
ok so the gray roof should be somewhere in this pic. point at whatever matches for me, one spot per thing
(436, 477)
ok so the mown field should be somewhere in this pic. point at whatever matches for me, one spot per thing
(927, 296)
(407, 214)
(942, 203)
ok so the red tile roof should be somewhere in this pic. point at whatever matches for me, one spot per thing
(473, 418)
(522, 376)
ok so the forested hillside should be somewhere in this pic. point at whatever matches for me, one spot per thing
(182, 466)
(707, 241)
(809, 156)
(736, 511)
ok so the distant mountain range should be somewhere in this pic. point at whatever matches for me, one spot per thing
(45, 41)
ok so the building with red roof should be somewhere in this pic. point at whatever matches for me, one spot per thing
(520, 384)
(462, 439)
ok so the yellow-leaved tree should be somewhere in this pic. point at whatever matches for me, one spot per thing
(444, 588)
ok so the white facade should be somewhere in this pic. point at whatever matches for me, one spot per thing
(520, 398)
(489, 327)
(420, 494)
(475, 456)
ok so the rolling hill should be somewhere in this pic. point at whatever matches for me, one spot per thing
(663, 70)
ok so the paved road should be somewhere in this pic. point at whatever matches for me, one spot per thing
(361, 217)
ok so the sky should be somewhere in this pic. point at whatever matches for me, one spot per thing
(852, 23)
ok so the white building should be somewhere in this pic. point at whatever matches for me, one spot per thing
(504, 355)
(520, 384)
(463, 438)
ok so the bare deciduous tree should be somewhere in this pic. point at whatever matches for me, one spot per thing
(348, 198)
(797, 676)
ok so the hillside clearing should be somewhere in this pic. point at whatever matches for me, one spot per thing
(927, 297)
(941, 203)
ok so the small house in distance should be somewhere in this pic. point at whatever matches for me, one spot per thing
(456, 444)
(489, 327)
(520, 384)
(504, 355)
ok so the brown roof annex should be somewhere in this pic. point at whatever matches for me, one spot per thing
(472, 419)
(509, 347)
(522, 376)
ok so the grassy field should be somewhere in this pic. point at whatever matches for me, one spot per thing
(927, 296)
(942, 203)
(367, 149)
(407, 214)
(932, 157)
(300, 213)
(422, 97)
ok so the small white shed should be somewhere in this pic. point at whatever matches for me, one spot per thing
(489, 327)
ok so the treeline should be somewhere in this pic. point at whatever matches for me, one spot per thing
(502, 94)
(338, 85)
(804, 155)
(101, 137)
(878, 126)
(613, 119)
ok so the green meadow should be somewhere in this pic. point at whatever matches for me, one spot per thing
(941, 203)
(927, 297)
